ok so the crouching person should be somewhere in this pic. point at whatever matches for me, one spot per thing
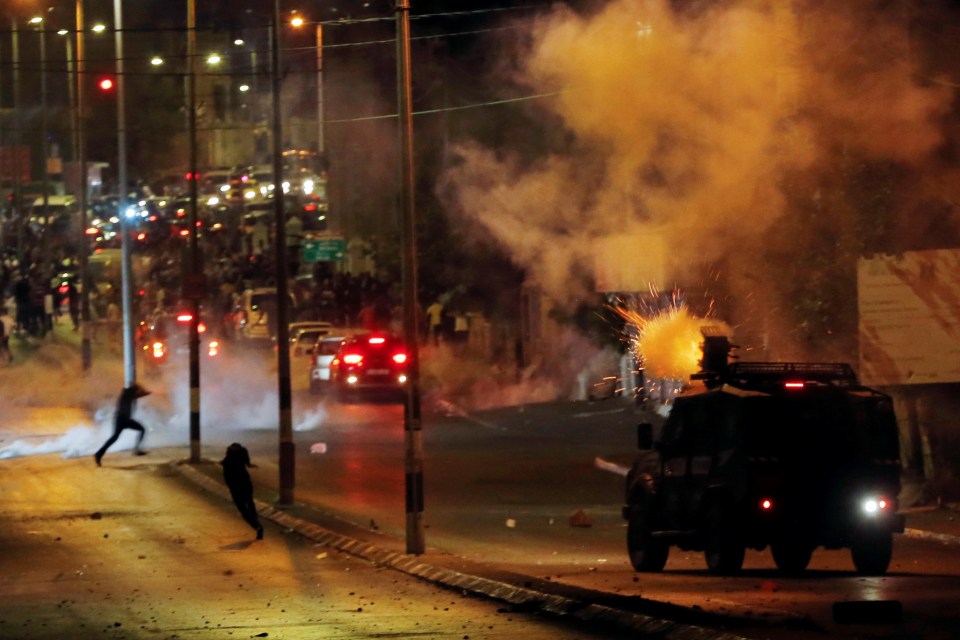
(235, 474)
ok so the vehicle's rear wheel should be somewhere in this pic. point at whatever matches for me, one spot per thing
(871, 552)
(724, 548)
(647, 554)
(791, 556)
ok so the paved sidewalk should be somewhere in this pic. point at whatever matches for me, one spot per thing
(132, 551)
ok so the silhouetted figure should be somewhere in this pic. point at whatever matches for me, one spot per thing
(123, 419)
(235, 474)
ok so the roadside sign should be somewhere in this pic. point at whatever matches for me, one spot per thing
(329, 249)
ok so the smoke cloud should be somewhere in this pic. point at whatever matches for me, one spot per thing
(44, 396)
(683, 127)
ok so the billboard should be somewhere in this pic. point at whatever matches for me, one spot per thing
(909, 308)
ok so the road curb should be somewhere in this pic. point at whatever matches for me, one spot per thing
(527, 599)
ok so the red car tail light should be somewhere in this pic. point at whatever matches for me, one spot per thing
(400, 358)
(377, 340)
(352, 358)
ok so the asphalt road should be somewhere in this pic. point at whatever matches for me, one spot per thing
(133, 551)
(501, 487)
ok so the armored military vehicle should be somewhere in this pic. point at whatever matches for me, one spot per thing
(791, 456)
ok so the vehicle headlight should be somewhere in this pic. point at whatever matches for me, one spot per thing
(875, 505)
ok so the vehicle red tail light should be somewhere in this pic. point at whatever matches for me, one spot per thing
(353, 358)
(377, 340)
(400, 358)
(766, 504)
(793, 385)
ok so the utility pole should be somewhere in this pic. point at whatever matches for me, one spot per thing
(129, 354)
(17, 139)
(44, 126)
(193, 285)
(86, 353)
(321, 143)
(412, 425)
(287, 447)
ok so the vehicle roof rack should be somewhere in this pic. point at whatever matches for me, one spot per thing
(760, 373)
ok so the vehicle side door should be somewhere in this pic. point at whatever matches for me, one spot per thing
(673, 467)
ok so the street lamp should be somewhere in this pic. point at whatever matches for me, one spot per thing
(297, 22)
(412, 424)
(80, 153)
(37, 21)
(287, 446)
(126, 262)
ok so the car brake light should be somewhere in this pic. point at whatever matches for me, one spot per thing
(213, 348)
(158, 350)
(353, 358)
(184, 317)
(793, 385)
(400, 358)
(766, 504)
(377, 340)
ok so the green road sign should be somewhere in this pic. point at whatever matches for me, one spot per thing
(324, 249)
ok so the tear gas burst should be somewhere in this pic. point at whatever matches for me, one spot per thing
(669, 343)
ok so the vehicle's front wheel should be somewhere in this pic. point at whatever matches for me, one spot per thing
(647, 554)
(724, 549)
(872, 552)
(791, 556)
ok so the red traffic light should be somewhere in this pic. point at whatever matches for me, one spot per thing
(105, 84)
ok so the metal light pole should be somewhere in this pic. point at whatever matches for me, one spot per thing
(287, 447)
(320, 136)
(193, 289)
(412, 426)
(126, 285)
(17, 193)
(81, 156)
(44, 142)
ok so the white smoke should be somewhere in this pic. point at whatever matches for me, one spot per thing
(237, 393)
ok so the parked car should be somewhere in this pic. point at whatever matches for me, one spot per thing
(369, 362)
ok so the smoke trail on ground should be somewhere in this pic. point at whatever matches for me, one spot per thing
(237, 393)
